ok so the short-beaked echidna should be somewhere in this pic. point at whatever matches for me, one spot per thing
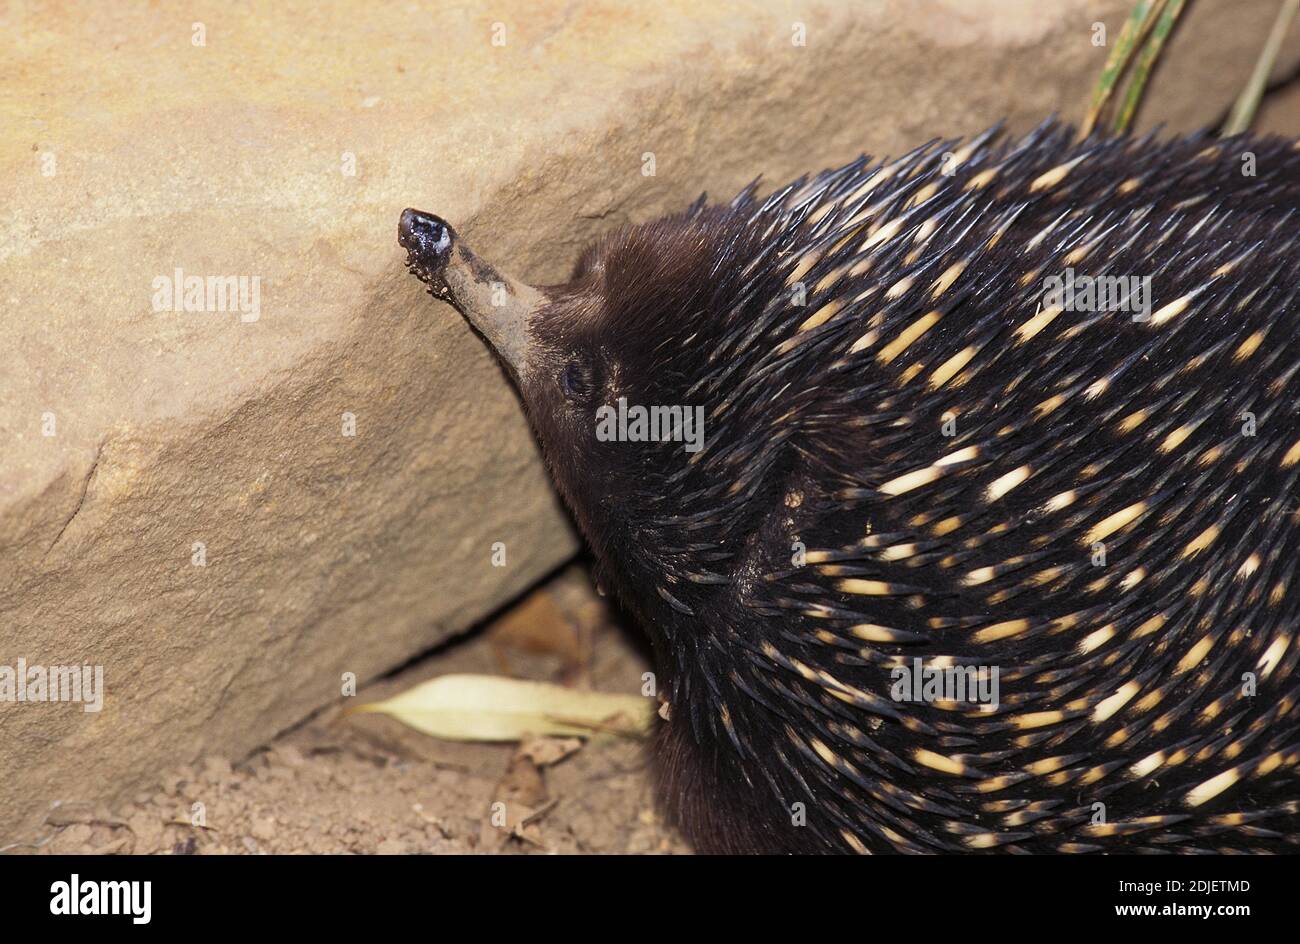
(917, 447)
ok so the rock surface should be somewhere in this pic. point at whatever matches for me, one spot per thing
(180, 501)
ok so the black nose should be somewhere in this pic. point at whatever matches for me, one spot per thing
(423, 234)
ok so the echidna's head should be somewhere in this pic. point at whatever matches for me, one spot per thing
(620, 369)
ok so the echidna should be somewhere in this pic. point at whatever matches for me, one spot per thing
(922, 461)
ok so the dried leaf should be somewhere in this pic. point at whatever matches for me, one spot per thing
(548, 751)
(492, 708)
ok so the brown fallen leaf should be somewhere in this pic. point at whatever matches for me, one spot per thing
(537, 625)
(548, 751)
(520, 799)
(517, 797)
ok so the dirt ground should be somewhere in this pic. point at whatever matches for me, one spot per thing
(365, 783)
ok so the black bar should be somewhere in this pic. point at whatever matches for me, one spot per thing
(378, 895)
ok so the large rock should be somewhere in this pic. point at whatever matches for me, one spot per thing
(131, 436)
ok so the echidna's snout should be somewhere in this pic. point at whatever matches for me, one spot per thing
(427, 240)
(501, 308)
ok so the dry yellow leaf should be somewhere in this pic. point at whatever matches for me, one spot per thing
(494, 708)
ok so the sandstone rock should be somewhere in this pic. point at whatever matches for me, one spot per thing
(181, 501)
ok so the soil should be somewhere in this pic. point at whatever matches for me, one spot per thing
(365, 783)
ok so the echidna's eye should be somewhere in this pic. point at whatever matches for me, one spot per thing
(576, 381)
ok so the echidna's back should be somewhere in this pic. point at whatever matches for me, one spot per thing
(1051, 419)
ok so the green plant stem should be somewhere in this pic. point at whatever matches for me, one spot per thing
(1146, 61)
